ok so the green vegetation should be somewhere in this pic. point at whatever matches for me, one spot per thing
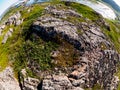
(37, 52)
(28, 48)
(85, 11)
(114, 34)
(95, 87)
(17, 39)
(25, 49)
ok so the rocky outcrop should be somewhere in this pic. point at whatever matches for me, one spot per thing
(1, 29)
(97, 63)
(8, 81)
(15, 20)
(61, 13)
(58, 82)
(67, 30)
(7, 35)
(28, 83)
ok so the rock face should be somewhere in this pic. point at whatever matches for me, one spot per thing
(58, 82)
(1, 29)
(57, 27)
(15, 20)
(28, 83)
(98, 60)
(8, 81)
(96, 63)
(7, 35)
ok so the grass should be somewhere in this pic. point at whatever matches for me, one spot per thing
(95, 87)
(114, 34)
(17, 39)
(23, 52)
(85, 11)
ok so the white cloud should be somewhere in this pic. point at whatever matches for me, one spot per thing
(117, 2)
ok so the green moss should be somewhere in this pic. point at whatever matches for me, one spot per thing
(114, 34)
(10, 12)
(85, 11)
(20, 51)
(95, 87)
(14, 42)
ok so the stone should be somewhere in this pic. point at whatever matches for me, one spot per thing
(7, 35)
(18, 22)
(57, 82)
(54, 54)
(8, 80)
(67, 30)
(28, 83)
(2, 28)
(14, 19)
(95, 65)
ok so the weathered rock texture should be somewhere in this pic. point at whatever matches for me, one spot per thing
(8, 81)
(97, 63)
(15, 20)
(28, 83)
(7, 35)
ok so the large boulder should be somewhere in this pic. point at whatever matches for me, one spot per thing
(97, 63)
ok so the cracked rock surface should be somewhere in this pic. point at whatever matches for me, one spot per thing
(97, 63)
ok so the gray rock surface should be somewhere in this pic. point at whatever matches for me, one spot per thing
(58, 82)
(8, 80)
(7, 35)
(1, 29)
(97, 63)
(28, 83)
(14, 19)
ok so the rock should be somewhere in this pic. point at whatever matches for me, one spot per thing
(28, 83)
(14, 19)
(114, 84)
(18, 22)
(61, 13)
(79, 83)
(66, 30)
(76, 74)
(77, 88)
(2, 28)
(29, 10)
(58, 82)
(98, 59)
(8, 80)
(7, 35)
(54, 54)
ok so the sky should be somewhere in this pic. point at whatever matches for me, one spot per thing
(117, 1)
(4, 4)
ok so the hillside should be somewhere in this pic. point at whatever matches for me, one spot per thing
(58, 45)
